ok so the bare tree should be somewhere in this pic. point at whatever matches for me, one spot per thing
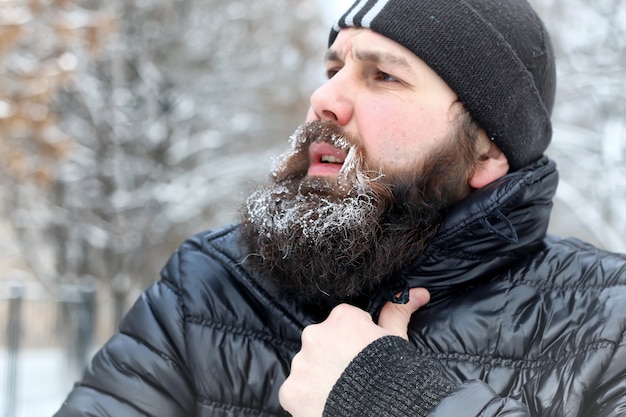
(163, 112)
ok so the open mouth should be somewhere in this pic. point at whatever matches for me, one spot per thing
(330, 159)
(325, 159)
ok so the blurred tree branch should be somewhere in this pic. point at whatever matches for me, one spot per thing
(128, 126)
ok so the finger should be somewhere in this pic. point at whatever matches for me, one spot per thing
(395, 317)
(288, 395)
(288, 392)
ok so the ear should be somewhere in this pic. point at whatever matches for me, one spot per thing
(493, 165)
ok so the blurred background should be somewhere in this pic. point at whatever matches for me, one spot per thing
(126, 126)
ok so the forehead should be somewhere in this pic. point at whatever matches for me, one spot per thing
(365, 45)
(366, 42)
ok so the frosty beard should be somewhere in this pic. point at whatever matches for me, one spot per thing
(325, 239)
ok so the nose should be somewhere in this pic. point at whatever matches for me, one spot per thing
(333, 101)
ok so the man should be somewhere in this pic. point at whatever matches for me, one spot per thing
(417, 185)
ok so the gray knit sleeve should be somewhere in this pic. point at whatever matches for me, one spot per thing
(389, 378)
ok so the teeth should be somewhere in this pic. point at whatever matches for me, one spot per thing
(331, 159)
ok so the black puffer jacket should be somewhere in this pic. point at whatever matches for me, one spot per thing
(527, 325)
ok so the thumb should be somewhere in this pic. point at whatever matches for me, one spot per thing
(395, 317)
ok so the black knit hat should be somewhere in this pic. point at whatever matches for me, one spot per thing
(495, 54)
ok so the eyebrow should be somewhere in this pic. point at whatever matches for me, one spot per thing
(375, 57)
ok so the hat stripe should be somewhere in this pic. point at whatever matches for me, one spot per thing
(373, 13)
(356, 6)
(349, 20)
(366, 10)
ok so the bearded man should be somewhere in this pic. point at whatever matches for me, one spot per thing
(398, 263)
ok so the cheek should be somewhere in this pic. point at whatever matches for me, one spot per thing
(396, 141)
(392, 136)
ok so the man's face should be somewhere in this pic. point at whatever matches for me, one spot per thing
(384, 95)
(369, 177)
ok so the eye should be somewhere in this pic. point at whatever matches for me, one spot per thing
(383, 76)
(331, 72)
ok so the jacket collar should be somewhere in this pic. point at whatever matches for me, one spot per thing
(490, 230)
(487, 232)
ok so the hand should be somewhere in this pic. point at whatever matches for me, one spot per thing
(329, 347)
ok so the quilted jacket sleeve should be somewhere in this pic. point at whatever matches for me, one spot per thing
(388, 379)
(606, 399)
(477, 399)
(141, 370)
(387, 386)
(609, 396)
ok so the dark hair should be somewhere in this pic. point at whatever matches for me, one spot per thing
(468, 140)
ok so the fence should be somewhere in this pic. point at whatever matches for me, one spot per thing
(58, 325)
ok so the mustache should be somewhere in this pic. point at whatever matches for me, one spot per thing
(294, 164)
(323, 131)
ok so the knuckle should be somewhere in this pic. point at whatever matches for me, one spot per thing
(343, 311)
(308, 334)
(296, 361)
(284, 395)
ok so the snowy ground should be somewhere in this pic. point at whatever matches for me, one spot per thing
(42, 383)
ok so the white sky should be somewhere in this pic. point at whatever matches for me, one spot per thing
(334, 8)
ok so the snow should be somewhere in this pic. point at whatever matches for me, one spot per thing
(42, 382)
